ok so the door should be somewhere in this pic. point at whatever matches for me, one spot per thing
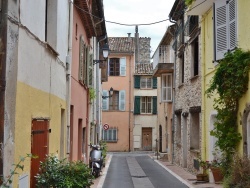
(184, 143)
(147, 139)
(160, 138)
(39, 146)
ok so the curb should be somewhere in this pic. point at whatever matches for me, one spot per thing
(104, 173)
(174, 174)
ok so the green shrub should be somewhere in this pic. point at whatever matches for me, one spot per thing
(239, 176)
(63, 174)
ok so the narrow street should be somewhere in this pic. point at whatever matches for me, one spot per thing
(138, 170)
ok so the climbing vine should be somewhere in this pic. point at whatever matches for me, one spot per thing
(188, 2)
(230, 82)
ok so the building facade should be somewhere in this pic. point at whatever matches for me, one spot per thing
(187, 106)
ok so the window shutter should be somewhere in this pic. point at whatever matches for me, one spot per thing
(137, 81)
(169, 87)
(105, 102)
(123, 66)
(81, 59)
(221, 32)
(154, 82)
(232, 24)
(122, 100)
(154, 104)
(137, 105)
(90, 76)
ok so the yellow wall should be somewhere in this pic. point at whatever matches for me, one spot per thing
(34, 103)
(209, 67)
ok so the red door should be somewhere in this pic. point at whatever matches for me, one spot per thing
(39, 146)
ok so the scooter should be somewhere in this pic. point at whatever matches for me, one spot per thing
(95, 160)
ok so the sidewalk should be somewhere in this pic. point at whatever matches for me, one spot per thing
(182, 175)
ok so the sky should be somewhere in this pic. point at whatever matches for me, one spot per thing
(138, 12)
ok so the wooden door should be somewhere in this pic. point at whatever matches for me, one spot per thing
(147, 139)
(39, 146)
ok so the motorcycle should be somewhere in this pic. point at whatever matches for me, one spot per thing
(95, 160)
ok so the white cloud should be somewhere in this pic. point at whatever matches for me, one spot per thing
(138, 12)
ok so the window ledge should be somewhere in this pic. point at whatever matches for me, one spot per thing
(195, 151)
(111, 141)
(181, 85)
(194, 77)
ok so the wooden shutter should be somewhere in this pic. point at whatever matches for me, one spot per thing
(105, 102)
(90, 70)
(220, 27)
(154, 82)
(169, 87)
(81, 59)
(137, 83)
(154, 104)
(123, 66)
(137, 109)
(232, 30)
(122, 100)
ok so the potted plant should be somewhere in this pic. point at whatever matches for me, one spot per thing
(216, 165)
(204, 165)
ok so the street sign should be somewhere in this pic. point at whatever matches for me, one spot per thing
(106, 126)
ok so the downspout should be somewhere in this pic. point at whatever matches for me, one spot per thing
(173, 104)
(3, 37)
(130, 90)
(68, 73)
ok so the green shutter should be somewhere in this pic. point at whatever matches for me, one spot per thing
(154, 104)
(154, 82)
(137, 105)
(137, 81)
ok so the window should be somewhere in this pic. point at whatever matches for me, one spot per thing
(166, 88)
(109, 135)
(145, 105)
(178, 129)
(117, 67)
(225, 27)
(195, 131)
(142, 82)
(195, 57)
(83, 61)
(181, 70)
(146, 82)
(116, 102)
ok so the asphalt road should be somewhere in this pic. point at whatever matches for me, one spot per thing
(138, 171)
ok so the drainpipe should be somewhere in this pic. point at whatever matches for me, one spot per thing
(68, 73)
(130, 90)
(173, 104)
(3, 37)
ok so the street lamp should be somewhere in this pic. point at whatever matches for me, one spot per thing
(105, 53)
(111, 91)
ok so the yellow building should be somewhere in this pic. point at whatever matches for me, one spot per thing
(224, 26)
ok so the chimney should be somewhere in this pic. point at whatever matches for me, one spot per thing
(136, 45)
(129, 38)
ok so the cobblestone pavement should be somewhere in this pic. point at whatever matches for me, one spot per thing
(180, 173)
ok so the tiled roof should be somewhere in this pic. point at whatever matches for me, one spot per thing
(121, 44)
(144, 68)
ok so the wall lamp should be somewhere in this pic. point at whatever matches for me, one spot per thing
(105, 53)
(111, 91)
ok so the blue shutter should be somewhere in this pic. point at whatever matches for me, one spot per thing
(154, 82)
(105, 102)
(137, 104)
(137, 82)
(123, 66)
(154, 104)
(122, 100)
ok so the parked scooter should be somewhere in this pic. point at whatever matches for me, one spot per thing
(95, 160)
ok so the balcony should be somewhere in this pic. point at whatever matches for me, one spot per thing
(200, 7)
(162, 61)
